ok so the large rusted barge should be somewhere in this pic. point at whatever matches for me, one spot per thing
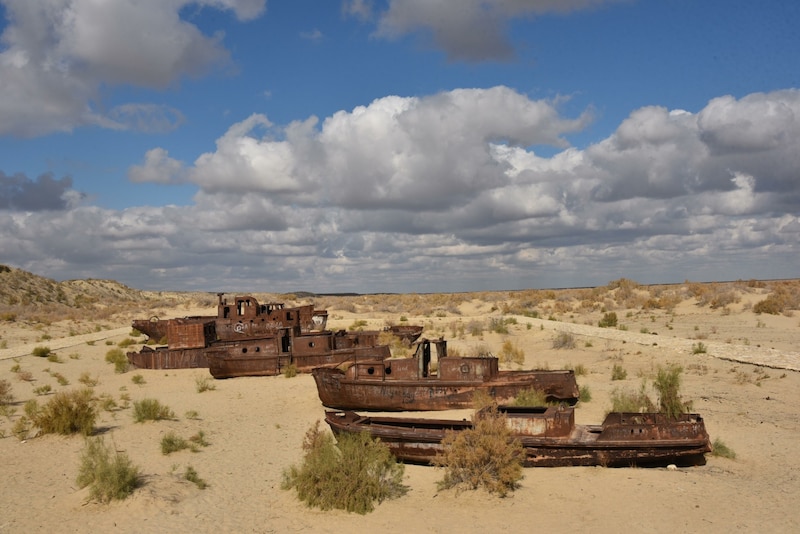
(413, 384)
(246, 338)
(549, 436)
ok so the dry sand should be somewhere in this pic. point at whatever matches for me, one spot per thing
(747, 387)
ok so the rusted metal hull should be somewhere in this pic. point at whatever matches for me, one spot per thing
(167, 358)
(339, 389)
(234, 362)
(624, 439)
(408, 334)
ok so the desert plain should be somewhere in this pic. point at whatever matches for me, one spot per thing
(741, 371)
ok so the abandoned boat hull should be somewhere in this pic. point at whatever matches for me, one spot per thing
(338, 391)
(236, 362)
(622, 440)
(167, 358)
(401, 384)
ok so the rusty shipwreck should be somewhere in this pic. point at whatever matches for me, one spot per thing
(413, 383)
(246, 338)
(549, 436)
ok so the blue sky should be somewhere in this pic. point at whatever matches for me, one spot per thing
(403, 146)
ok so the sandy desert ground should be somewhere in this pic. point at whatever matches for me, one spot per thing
(747, 387)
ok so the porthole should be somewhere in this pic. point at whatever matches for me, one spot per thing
(370, 370)
(244, 350)
(465, 368)
(388, 370)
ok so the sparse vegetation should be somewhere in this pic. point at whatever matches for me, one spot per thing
(511, 353)
(486, 456)
(720, 449)
(191, 475)
(668, 385)
(110, 474)
(118, 358)
(151, 410)
(68, 412)
(290, 371)
(41, 352)
(584, 393)
(609, 320)
(138, 380)
(88, 380)
(351, 475)
(204, 383)
(530, 397)
(618, 372)
(699, 348)
(564, 340)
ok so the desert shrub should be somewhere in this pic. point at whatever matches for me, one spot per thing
(68, 412)
(151, 410)
(530, 397)
(87, 380)
(204, 383)
(609, 320)
(290, 371)
(486, 455)
(24, 376)
(699, 348)
(171, 442)
(118, 358)
(564, 340)
(54, 358)
(61, 379)
(108, 473)
(498, 325)
(138, 379)
(579, 370)
(43, 390)
(41, 352)
(6, 397)
(199, 439)
(718, 448)
(351, 475)
(358, 324)
(618, 372)
(127, 342)
(584, 393)
(668, 384)
(623, 400)
(511, 353)
(191, 475)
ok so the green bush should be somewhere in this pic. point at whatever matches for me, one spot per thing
(718, 448)
(486, 455)
(585, 394)
(150, 410)
(191, 475)
(41, 352)
(118, 358)
(109, 474)
(171, 442)
(618, 372)
(290, 371)
(530, 397)
(627, 401)
(350, 475)
(609, 320)
(68, 412)
(668, 385)
(204, 383)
